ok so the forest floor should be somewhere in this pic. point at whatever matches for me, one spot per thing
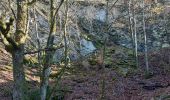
(124, 84)
(120, 83)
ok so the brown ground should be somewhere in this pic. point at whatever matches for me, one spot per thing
(86, 85)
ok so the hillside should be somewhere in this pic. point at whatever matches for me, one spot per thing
(122, 82)
(84, 50)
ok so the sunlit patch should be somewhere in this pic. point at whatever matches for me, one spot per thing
(158, 10)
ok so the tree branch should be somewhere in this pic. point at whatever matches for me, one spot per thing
(113, 4)
(5, 35)
(62, 1)
(12, 10)
(45, 49)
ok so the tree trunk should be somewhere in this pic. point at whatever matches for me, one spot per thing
(19, 90)
(45, 75)
(145, 38)
(131, 25)
(136, 42)
(49, 54)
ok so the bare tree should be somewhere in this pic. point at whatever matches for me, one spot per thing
(16, 47)
(49, 54)
(145, 37)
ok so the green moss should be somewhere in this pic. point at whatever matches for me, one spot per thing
(92, 61)
(30, 60)
(108, 61)
(113, 78)
(98, 43)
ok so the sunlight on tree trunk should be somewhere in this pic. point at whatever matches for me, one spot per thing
(131, 22)
(133, 31)
(136, 42)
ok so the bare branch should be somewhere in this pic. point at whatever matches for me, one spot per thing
(46, 49)
(5, 35)
(113, 4)
(12, 10)
(57, 10)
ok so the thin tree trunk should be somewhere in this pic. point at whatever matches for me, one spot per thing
(136, 42)
(38, 43)
(103, 51)
(66, 59)
(49, 54)
(65, 35)
(146, 48)
(131, 23)
(135, 35)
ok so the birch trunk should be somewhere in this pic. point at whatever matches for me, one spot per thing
(131, 23)
(136, 42)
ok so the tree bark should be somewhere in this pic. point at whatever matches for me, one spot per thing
(49, 54)
(145, 39)
(20, 90)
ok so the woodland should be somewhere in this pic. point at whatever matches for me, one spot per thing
(84, 49)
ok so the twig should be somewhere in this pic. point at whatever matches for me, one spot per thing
(113, 4)
(13, 12)
(57, 11)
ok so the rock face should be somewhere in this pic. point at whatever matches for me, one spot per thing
(87, 47)
(157, 36)
(87, 24)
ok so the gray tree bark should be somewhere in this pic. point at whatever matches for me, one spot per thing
(145, 36)
(49, 54)
(20, 89)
